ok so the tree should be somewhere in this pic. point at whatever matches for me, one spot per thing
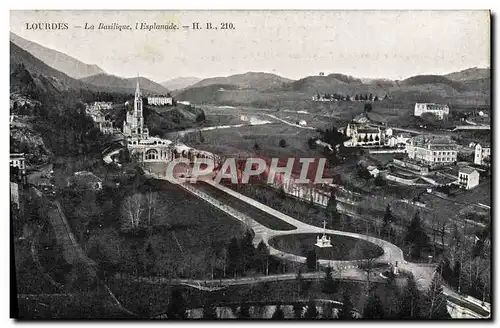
(247, 251)
(365, 139)
(311, 310)
(297, 311)
(132, 211)
(379, 181)
(387, 222)
(262, 257)
(371, 138)
(312, 143)
(233, 256)
(244, 312)
(86, 212)
(376, 98)
(346, 310)
(435, 299)
(283, 143)
(176, 308)
(311, 260)
(256, 147)
(329, 286)
(356, 97)
(209, 311)
(331, 207)
(416, 237)
(373, 308)
(278, 313)
(409, 304)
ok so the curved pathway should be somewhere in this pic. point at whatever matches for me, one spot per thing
(391, 254)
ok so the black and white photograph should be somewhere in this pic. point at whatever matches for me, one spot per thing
(250, 165)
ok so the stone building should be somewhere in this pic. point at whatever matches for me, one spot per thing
(133, 126)
(468, 177)
(482, 154)
(437, 109)
(431, 150)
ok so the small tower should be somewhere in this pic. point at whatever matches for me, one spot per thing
(323, 241)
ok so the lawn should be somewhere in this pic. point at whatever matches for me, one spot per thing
(343, 248)
(242, 141)
(264, 218)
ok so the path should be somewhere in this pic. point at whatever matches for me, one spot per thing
(290, 123)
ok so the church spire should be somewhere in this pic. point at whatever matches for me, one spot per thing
(137, 89)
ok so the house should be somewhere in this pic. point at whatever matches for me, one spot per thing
(374, 172)
(85, 180)
(482, 154)
(437, 109)
(468, 177)
(431, 150)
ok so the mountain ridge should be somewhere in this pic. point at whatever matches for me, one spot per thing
(58, 60)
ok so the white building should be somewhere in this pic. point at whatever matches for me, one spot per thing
(431, 150)
(302, 123)
(160, 101)
(374, 172)
(18, 160)
(468, 177)
(437, 109)
(481, 153)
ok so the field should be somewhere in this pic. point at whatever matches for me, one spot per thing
(242, 141)
(343, 248)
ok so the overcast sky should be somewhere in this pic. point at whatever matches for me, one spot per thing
(294, 44)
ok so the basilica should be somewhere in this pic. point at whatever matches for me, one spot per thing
(152, 149)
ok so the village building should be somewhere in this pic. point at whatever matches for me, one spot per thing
(362, 135)
(18, 161)
(482, 154)
(468, 177)
(431, 150)
(374, 172)
(438, 110)
(160, 101)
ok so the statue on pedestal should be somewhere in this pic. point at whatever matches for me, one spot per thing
(323, 241)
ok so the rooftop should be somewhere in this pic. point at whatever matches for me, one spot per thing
(466, 170)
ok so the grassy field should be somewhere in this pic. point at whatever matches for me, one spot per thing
(242, 141)
(343, 248)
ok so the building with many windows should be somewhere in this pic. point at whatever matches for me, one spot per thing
(468, 177)
(431, 150)
(438, 110)
(160, 101)
(482, 154)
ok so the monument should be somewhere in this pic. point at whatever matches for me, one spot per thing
(323, 241)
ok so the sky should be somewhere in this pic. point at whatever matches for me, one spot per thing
(293, 44)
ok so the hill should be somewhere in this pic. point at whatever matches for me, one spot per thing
(127, 85)
(333, 83)
(180, 83)
(432, 80)
(251, 80)
(473, 73)
(55, 59)
(41, 72)
(209, 94)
